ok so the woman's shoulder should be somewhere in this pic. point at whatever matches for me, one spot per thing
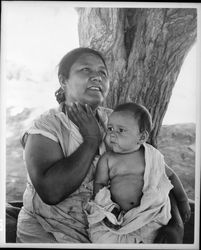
(48, 120)
(50, 115)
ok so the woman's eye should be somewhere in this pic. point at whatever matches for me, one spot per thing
(85, 69)
(103, 73)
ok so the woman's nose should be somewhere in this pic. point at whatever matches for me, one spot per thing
(96, 77)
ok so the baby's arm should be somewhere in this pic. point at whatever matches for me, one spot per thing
(101, 180)
(180, 194)
(102, 174)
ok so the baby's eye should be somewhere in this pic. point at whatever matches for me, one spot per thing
(121, 130)
(110, 129)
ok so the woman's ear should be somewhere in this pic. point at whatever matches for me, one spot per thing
(62, 81)
(144, 136)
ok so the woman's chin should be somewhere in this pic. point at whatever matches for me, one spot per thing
(93, 103)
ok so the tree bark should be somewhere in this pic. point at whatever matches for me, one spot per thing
(144, 49)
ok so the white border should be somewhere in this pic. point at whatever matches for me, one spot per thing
(198, 134)
(3, 144)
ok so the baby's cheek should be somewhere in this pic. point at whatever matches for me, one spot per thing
(107, 139)
(109, 146)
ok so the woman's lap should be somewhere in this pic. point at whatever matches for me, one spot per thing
(30, 231)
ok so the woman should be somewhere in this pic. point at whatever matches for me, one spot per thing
(61, 150)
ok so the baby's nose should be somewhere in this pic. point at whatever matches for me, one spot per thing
(113, 134)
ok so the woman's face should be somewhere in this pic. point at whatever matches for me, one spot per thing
(88, 81)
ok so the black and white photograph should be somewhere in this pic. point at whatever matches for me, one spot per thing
(100, 125)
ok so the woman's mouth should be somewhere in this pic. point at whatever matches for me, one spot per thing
(95, 88)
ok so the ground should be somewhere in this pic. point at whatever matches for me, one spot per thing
(177, 143)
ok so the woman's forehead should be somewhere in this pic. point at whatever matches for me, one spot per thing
(89, 59)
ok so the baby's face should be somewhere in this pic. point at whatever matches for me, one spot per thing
(123, 134)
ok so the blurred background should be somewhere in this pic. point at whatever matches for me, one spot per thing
(35, 36)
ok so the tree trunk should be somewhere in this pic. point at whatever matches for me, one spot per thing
(144, 48)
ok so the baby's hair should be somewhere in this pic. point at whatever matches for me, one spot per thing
(140, 113)
(66, 63)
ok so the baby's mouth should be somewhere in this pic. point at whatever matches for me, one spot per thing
(113, 143)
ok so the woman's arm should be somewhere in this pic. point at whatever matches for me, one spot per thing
(180, 194)
(173, 232)
(54, 176)
(178, 189)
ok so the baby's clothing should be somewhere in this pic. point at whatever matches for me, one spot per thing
(140, 224)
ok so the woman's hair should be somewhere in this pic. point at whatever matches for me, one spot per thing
(66, 63)
(140, 113)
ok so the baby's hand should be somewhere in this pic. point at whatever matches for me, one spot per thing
(185, 210)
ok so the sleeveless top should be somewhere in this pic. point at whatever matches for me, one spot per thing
(66, 220)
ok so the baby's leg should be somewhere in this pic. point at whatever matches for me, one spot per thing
(110, 224)
(116, 211)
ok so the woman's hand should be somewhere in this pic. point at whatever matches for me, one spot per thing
(171, 233)
(84, 118)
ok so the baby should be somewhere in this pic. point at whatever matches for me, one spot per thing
(122, 168)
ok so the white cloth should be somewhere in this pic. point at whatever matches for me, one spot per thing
(141, 223)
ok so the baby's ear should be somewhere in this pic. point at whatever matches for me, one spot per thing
(144, 136)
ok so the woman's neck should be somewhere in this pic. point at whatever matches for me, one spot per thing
(94, 109)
